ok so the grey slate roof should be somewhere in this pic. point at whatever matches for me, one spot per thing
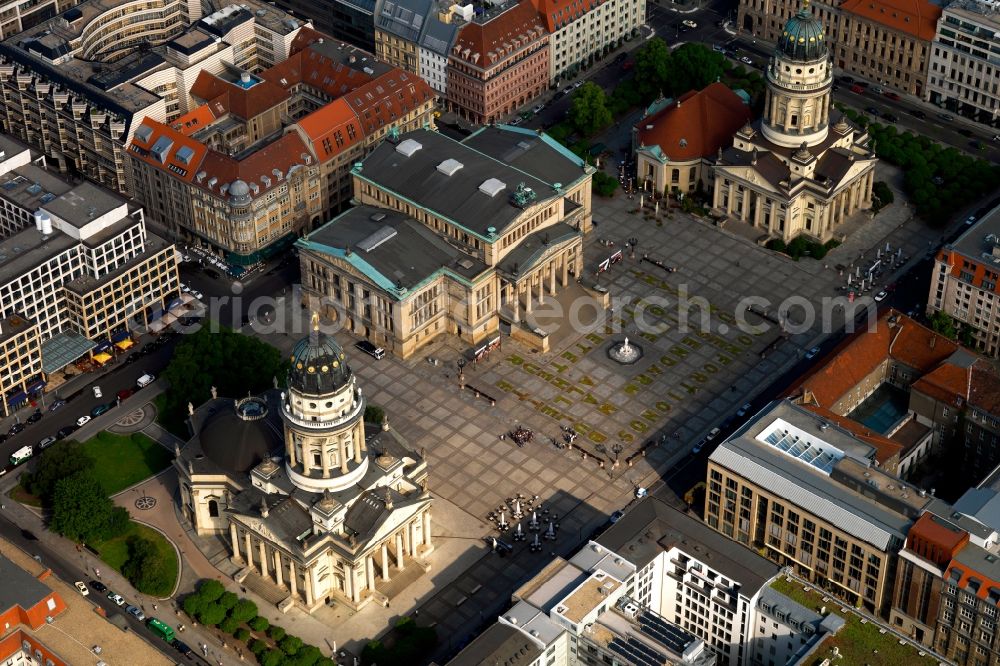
(438, 37)
(652, 527)
(456, 197)
(499, 645)
(525, 149)
(531, 247)
(19, 587)
(403, 18)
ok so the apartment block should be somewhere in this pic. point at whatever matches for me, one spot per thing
(964, 75)
(77, 269)
(810, 495)
(266, 157)
(78, 90)
(417, 36)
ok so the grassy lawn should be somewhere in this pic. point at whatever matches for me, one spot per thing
(19, 494)
(124, 460)
(114, 552)
(856, 641)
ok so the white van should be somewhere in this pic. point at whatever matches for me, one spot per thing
(145, 380)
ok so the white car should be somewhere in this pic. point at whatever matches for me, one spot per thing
(578, 84)
(97, 392)
(197, 294)
(83, 420)
(742, 411)
(881, 296)
(83, 588)
(184, 288)
(116, 598)
(538, 109)
(746, 60)
(712, 434)
(689, 23)
(970, 220)
(516, 121)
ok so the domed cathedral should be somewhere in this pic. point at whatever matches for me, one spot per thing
(801, 169)
(313, 504)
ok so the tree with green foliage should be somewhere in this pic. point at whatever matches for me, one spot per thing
(652, 69)
(257, 647)
(588, 110)
(259, 623)
(942, 323)
(229, 625)
(62, 460)
(242, 634)
(232, 362)
(81, 511)
(309, 655)
(275, 633)
(228, 600)
(603, 185)
(272, 658)
(243, 611)
(212, 614)
(374, 414)
(145, 567)
(290, 644)
(210, 590)
(692, 67)
(194, 604)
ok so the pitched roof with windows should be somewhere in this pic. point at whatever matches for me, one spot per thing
(243, 102)
(558, 14)
(488, 43)
(332, 129)
(385, 100)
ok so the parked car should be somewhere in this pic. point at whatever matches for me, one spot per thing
(742, 411)
(689, 23)
(812, 352)
(100, 409)
(65, 432)
(699, 446)
(616, 516)
(197, 294)
(857, 89)
(56, 405)
(46, 443)
(15, 428)
(374, 351)
(98, 585)
(125, 394)
(116, 598)
(718, 48)
(97, 392)
(628, 64)
(538, 109)
(746, 60)
(872, 110)
(917, 113)
(877, 90)
(970, 220)
(136, 612)
(212, 273)
(890, 117)
(183, 648)
(515, 121)
(881, 296)
(861, 84)
(847, 80)
(712, 434)
(946, 116)
(81, 587)
(83, 420)
(35, 417)
(145, 380)
(891, 95)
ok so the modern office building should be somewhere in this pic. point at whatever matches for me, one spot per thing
(886, 42)
(964, 75)
(812, 496)
(79, 89)
(450, 237)
(498, 63)
(802, 169)
(267, 157)
(584, 32)
(314, 503)
(78, 270)
(350, 21)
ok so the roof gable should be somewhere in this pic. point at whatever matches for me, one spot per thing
(697, 124)
(491, 42)
(914, 17)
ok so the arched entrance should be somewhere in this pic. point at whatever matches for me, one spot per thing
(748, 23)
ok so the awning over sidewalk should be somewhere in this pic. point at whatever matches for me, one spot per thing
(119, 336)
(103, 346)
(124, 344)
(102, 358)
(62, 349)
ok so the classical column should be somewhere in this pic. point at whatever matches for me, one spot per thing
(324, 460)
(527, 295)
(290, 447)
(355, 588)
(263, 559)
(370, 572)
(399, 550)
(293, 580)
(578, 267)
(552, 277)
(307, 574)
(541, 285)
(342, 447)
(517, 303)
(758, 207)
(427, 527)
(278, 572)
(412, 536)
(249, 551)
(357, 450)
(236, 541)
(731, 200)
(565, 270)
(385, 561)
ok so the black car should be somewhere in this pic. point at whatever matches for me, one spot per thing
(15, 428)
(182, 647)
(849, 80)
(3, 437)
(374, 351)
(97, 585)
(917, 113)
(147, 348)
(130, 359)
(35, 417)
(65, 432)
(890, 117)
(964, 131)
(872, 110)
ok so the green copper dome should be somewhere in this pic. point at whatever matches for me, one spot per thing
(318, 365)
(803, 38)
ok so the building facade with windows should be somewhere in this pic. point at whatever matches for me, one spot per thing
(77, 268)
(314, 503)
(80, 91)
(811, 496)
(802, 169)
(498, 219)
(581, 32)
(350, 21)
(964, 75)
(266, 157)
(498, 63)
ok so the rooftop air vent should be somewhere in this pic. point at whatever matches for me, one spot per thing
(449, 167)
(492, 187)
(374, 240)
(408, 147)
(377, 217)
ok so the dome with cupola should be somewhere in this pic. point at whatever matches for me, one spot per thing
(319, 365)
(803, 37)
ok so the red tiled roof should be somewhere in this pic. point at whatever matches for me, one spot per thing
(486, 44)
(935, 541)
(697, 124)
(257, 167)
(388, 98)
(317, 71)
(180, 170)
(947, 383)
(244, 102)
(194, 120)
(331, 129)
(914, 17)
(907, 342)
(966, 572)
(306, 36)
(557, 13)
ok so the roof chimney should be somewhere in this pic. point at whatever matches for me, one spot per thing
(933, 341)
